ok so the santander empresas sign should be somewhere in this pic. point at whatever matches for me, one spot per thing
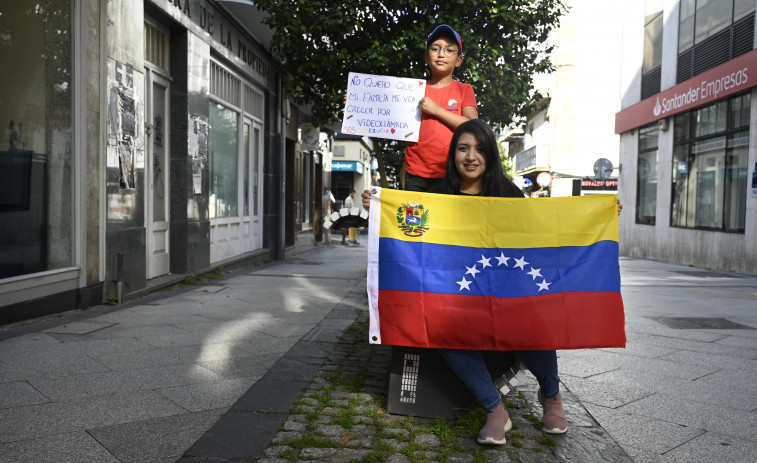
(729, 78)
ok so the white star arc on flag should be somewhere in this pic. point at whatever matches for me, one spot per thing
(472, 271)
(502, 260)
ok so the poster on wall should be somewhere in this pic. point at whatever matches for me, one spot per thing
(123, 138)
(383, 106)
(198, 149)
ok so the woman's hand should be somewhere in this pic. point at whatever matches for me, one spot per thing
(620, 207)
(366, 196)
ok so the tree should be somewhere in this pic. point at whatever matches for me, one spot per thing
(321, 42)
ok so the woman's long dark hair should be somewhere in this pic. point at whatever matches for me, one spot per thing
(493, 182)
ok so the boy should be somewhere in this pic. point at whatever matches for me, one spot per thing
(447, 104)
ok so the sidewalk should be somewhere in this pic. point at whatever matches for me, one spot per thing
(270, 363)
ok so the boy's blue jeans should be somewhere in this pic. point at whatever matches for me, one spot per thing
(470, 367)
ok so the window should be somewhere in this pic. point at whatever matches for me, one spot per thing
(224, 167)
(710, 166)
(646, 175)
(712, 16)
(37, 163)
(236, 112)
(651, 68)
(711, 32)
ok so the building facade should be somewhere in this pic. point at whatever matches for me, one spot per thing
(145, 140)
(570, 137)
(688, 134)
(351, 165)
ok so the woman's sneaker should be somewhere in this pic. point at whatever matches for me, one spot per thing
(497, 424)
(554, 420)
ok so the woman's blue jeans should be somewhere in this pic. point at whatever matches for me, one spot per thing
(470, 367)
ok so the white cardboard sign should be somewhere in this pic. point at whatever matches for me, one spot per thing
(383, 106)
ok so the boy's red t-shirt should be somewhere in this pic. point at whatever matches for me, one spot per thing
(428, 156)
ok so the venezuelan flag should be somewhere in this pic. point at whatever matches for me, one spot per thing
(468, 272)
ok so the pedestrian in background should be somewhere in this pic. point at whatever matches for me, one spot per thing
(349, 203)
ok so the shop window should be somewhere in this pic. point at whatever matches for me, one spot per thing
(711, 32)
(710, 166)
(646, 175)
(37, 161)
(236, 112)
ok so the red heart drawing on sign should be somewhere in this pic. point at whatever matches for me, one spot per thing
(392, 130)
(420, 82)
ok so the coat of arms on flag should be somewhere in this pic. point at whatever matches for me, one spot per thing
(494, 273)
(412, 218)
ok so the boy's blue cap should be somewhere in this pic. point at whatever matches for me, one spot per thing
(448, 31)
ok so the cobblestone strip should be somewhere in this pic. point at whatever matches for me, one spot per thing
(342, 418)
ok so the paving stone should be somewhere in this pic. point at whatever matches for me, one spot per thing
(396, 432)
(275, 450)
(315, 453)
(363, 442)
(496, 456)
(295, 426)
(349, 455)
(364, 430)
(711, 447)
(589, 445)
(394, 443)
(397, 458)
(329, 430)
(284, 436)
(427, 439)
(19, 394)
(238, 435)
(79, 447)
(162, 439)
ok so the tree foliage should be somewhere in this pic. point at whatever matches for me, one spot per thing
(321, 42)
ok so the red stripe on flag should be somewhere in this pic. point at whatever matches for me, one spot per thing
(573, 320)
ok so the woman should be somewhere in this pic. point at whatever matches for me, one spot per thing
(473, 168)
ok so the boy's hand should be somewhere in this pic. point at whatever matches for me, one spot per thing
(428, 106)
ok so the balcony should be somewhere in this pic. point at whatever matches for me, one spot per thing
(532, 159)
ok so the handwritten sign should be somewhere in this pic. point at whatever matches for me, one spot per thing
(383, 106)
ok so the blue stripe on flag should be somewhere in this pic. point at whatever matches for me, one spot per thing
(445, 269)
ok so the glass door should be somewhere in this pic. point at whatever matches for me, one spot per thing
(252, 168)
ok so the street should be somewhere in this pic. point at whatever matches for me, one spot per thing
(180, 374)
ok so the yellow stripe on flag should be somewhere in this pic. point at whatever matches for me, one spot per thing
(500, 222)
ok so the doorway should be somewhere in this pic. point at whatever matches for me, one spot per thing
(157, 89)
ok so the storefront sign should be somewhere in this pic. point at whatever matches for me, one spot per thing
(589, 184)
(729, 78)
(383, 106)
(346, 166)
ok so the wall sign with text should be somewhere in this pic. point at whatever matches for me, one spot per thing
(383, 106)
